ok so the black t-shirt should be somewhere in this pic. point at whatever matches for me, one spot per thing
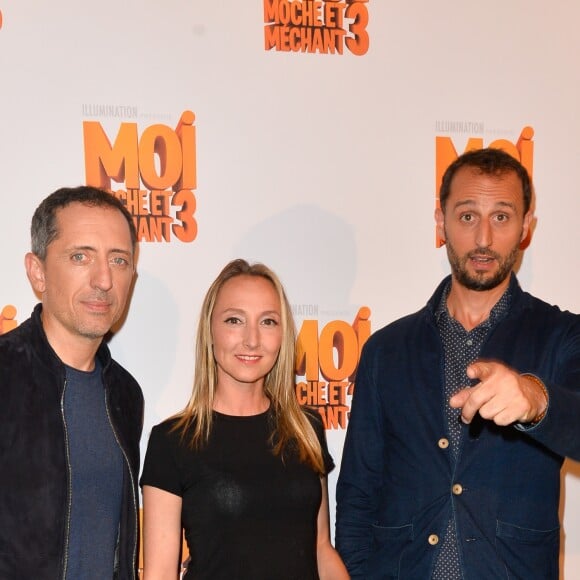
(247, 513)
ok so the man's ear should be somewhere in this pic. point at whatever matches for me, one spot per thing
(440, 223)
(528, 220)
(35, 272)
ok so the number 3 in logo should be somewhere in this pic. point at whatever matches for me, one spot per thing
(358, 44)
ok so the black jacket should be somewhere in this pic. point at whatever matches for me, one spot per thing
(34, 470)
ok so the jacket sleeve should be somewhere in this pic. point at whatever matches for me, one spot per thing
(361, 473)
(559, 431)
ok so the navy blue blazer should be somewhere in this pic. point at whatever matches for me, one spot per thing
(398, 483)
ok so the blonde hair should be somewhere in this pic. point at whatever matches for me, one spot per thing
(291, 427)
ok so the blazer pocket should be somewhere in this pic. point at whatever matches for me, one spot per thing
(387, 549)
(527, 553)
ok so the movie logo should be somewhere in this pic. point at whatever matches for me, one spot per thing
(328, 358)
(316, 26)
(157, 171)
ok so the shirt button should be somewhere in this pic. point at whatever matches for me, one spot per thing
(443, 443)
(457, 489)
(469, 342)
(433, 539)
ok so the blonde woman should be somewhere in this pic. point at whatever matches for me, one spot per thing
(242, 469)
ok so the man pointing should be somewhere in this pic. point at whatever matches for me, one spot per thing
(464, 411)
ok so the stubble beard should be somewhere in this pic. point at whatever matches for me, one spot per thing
(95, 326)
(483, 281)
(93, 330)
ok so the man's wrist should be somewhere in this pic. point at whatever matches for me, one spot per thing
(539, 416)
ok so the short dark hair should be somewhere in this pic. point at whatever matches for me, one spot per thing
(43, 228)
(489, 161)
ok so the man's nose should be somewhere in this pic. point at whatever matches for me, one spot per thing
(101, 276)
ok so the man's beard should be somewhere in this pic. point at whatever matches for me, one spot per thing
(484, 280)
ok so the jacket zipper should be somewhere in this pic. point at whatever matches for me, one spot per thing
(135, 520)
(69, 486)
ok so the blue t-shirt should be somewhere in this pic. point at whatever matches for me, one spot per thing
(97, 477)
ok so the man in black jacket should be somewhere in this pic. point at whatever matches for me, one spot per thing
(70, 416)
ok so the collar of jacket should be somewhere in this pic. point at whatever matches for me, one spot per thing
(519, 299)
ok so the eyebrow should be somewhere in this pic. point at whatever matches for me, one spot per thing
(242, 311)
(93, 249)
(271, 312)
(120, 251)
(470, 202)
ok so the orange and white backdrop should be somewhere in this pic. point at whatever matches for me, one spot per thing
(307, 134)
